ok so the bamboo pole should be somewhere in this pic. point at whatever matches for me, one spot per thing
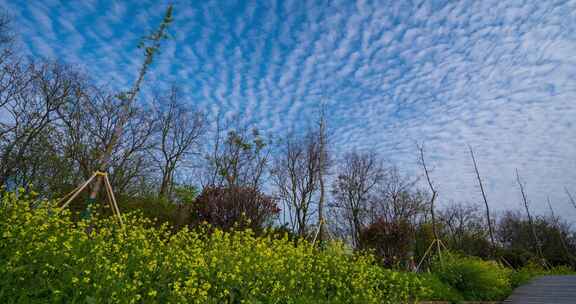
(151, 45)
(76, 191)
(128, 98)
(113, 200)
(490, 229)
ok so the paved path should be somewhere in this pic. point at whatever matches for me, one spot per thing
(546, 290)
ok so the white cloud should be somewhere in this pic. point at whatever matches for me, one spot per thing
(499, 75)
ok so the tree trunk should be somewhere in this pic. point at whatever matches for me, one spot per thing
(490, 229)
(128, 98)
(321, 178)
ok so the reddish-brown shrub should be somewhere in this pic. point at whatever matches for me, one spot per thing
(234, 207)
(390, 241)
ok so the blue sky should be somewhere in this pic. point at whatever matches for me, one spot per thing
(498, 75)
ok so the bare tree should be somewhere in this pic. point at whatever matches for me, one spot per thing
(488, 220)
(397, 200)
(323, 163)
(295, 174)
(572, 201)
(462, 222)
(37, 94)
(353, 190)
(557, 225)
(436, 240)
(537, 244)
(180, 129)
(240, 159)
(432, 190)
(88, 124)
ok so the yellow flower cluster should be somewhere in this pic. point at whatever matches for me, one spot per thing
(65, 261)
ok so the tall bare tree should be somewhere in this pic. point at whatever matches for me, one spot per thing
(88, 124)
(238, 159)
(488, 219)
(570, 197)
(180, 129)
(536, 240)
(354, 190)
(323, 162)
(557, 225)
(397, 198)
(463, 223)
(295, 175)
(36, 95)
(432, 190)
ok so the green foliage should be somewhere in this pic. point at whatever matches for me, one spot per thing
(156, 209)
(533, 270)
(46, 257)
(151, 42)
(557, 241)
(423, 237)
(439, 290)
(474, 278)
(185, 194)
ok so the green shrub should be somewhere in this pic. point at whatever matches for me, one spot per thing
(46, 257)
(474, 278)
(533, 270)
(439, 290)
(160, 210)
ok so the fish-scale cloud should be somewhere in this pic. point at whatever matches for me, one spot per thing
(497, 75)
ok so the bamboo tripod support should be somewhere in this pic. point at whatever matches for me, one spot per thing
(318, 232)
(68, 198)
(439, 246)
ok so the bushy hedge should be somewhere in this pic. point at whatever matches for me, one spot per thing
(459, 277)
(46, 257)
(474, 278)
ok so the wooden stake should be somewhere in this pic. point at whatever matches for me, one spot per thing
(76, 191)
(109, 194)
(113, 200)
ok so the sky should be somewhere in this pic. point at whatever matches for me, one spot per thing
(496, 75)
